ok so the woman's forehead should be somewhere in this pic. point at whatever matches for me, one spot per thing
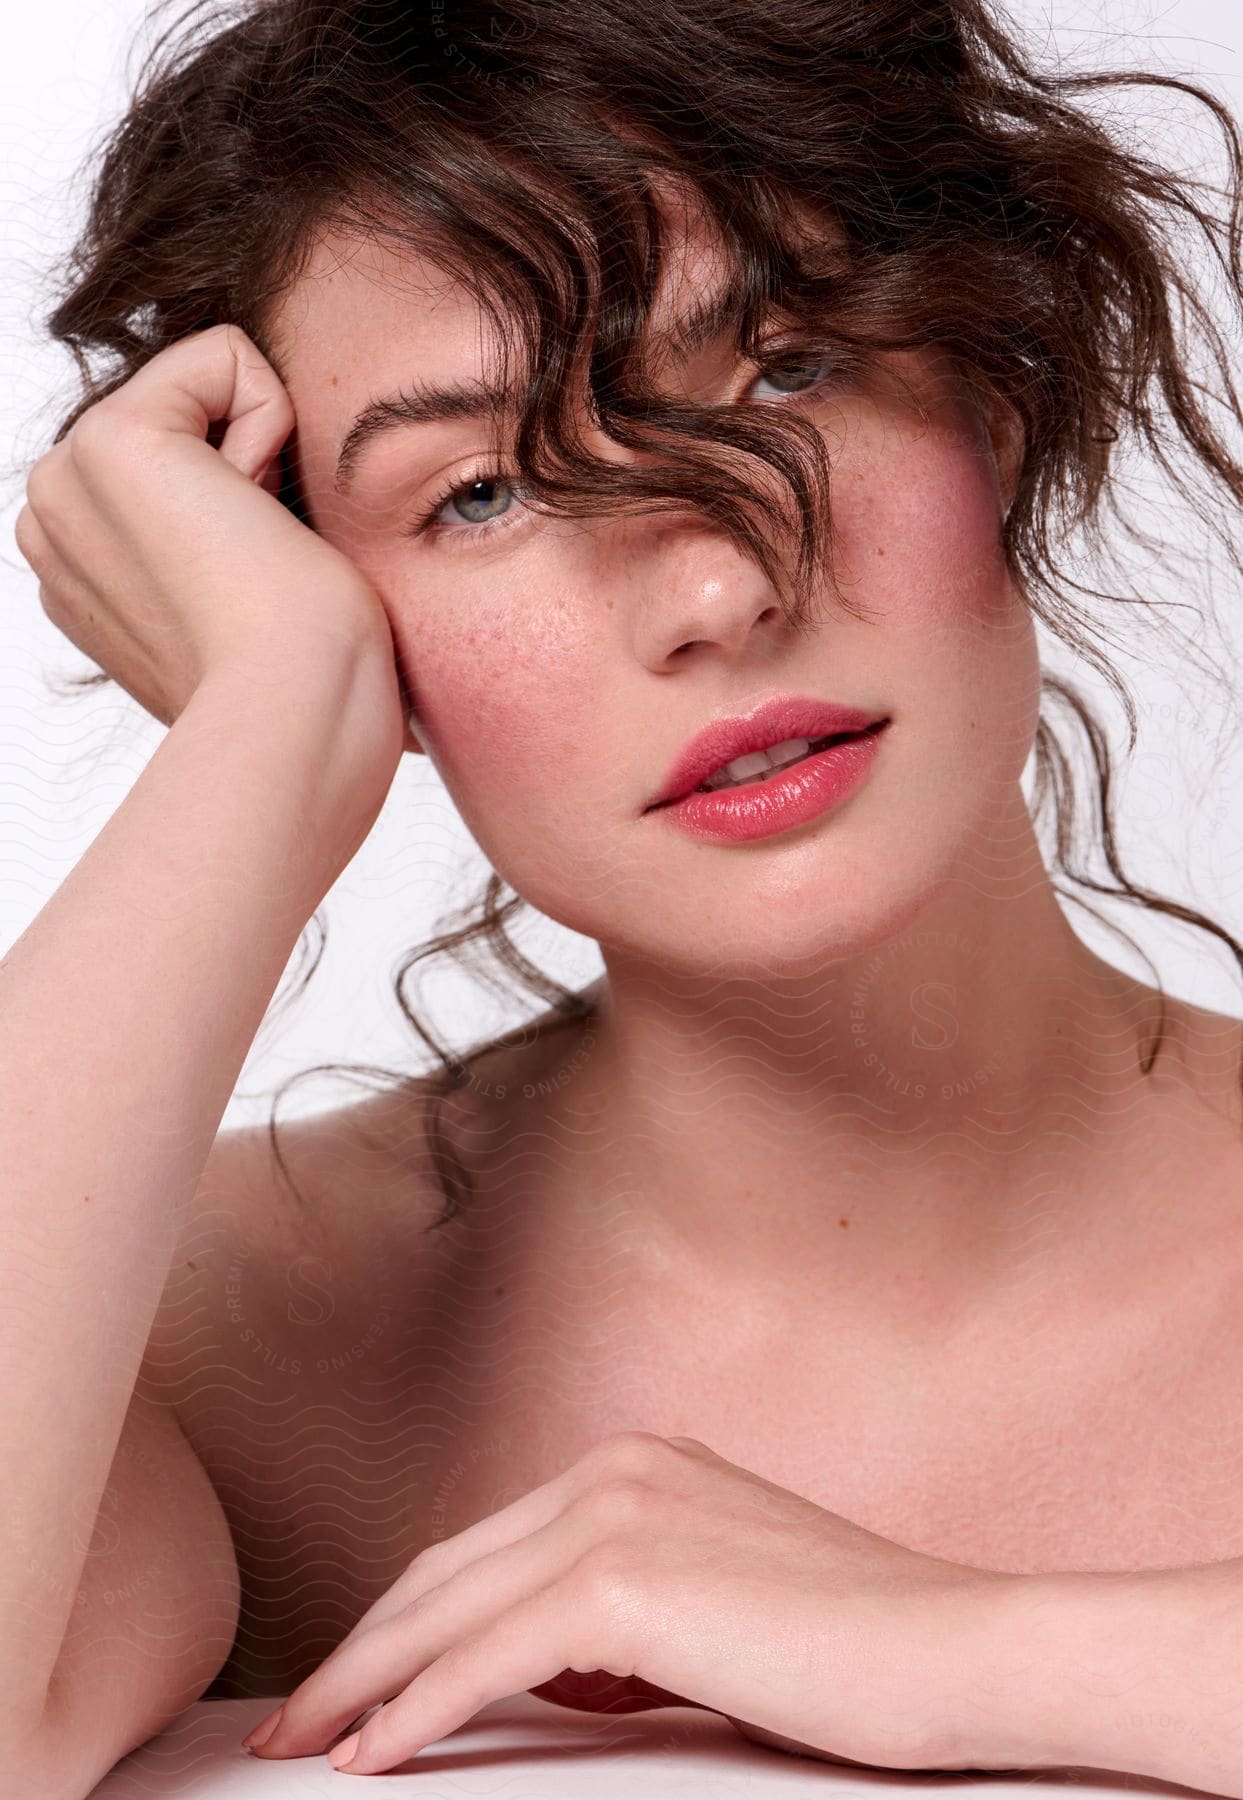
(376, 334)
(368, 284)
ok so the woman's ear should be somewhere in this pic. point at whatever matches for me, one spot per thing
(1005, 430)
(1003, 424)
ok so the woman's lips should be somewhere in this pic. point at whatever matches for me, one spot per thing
(773, 721)
(787, 798)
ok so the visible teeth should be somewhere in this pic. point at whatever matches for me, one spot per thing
(758, 763)
(789, 751)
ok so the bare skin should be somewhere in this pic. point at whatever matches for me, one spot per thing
(857, 1176)
(1080, 1415)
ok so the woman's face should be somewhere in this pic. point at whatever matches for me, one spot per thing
(558, 666)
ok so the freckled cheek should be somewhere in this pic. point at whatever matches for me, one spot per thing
(951, 621)
(496, 707)
(919, 536)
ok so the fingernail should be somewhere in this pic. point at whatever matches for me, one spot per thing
(343, 1755)
(263, 1730)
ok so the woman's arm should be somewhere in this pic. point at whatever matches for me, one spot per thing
(1139, 1672)
(128, 1008)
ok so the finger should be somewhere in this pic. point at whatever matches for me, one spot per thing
(433, 1568)
(31, 540)
(528, 1514)
(208, 375)
(527, 1645)
(29, 535)
(376, 1663)
(439, 1561)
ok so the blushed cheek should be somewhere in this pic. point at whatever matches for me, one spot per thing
(969, 612)
(920, 534)
(496, 705)
(962, 535)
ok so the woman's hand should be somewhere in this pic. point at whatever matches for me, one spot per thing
(654, 1572)
(169, 561)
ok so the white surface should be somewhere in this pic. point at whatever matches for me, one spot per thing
(529, 1749)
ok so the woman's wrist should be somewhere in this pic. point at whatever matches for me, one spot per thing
(302, 756)
(341, 718)
(1122, 1670)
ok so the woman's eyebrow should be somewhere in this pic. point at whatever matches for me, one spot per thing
(423, 403)
(418, 404)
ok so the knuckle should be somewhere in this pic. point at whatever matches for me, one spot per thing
(41, 484)
(243, 346)
(95, 432)
(229, 339)
(25, 533)
(622, 1503)
(429, 1566)
(50, 601)
(204, 340)
(636, 1453)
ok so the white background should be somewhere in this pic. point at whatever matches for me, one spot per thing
(65, 764)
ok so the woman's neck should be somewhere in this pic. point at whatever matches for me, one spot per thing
(915, 1097)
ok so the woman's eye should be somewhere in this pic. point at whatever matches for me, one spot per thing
(488, 502)
(795, 378)
(480, 501)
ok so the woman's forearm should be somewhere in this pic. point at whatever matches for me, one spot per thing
(1137, 1672)
(127, 1009)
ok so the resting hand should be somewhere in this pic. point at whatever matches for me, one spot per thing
(653, 1572)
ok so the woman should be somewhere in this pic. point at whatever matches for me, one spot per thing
(680, 416)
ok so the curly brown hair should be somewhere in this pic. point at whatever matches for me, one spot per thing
(892, 175)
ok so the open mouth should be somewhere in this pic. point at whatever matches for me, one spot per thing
(761, 765)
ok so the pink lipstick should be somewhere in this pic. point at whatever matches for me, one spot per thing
(793, 758)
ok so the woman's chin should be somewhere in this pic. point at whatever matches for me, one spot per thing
(821, 927)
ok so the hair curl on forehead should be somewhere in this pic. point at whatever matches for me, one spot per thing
(582, 333)
(973, 201)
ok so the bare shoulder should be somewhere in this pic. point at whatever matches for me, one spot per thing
(297, 1244)
(281, 1234)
